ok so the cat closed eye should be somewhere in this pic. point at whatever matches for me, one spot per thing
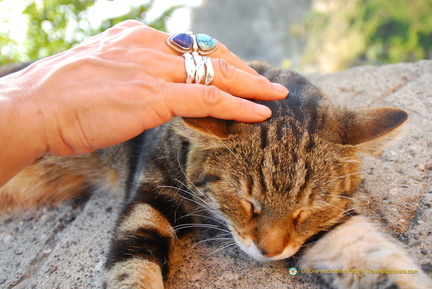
(299, 215)
(252, 206)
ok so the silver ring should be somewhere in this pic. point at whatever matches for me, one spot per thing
(200, 68)
(190, 67)
(209, 71)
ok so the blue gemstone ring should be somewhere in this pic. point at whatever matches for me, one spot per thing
(189, 43)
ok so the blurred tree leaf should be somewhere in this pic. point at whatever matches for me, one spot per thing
(398, 30)
(344, 33)
(57, 25)
(160, 22)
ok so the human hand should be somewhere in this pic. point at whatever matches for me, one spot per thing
(119, 83)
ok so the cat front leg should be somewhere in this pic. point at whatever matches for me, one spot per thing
(356, 255)
(140, 249)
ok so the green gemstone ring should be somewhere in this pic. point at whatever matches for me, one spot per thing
(206, 44)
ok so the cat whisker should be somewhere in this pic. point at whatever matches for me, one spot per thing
(207, 206)
(194, 225)
(343, 176)
(225, 172)
(199, 225)
(191, 191)
(206, 202)
(196, 213)
(221, 222)
(349, 160)
(186, 177)
(211, 239)
(204, 213)
(177, 189)
(338, 196)
(184, 191)
(211, 211)
(229, 244)
(328, 204)
(226, 147)
(202, 202)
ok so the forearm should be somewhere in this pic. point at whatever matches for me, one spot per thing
(20, 124)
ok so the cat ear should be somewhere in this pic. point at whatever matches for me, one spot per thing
(369, 129)
(204, 130)
(209, 126)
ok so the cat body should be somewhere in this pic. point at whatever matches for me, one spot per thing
(276, 185)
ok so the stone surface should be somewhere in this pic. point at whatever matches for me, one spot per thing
(64, 246)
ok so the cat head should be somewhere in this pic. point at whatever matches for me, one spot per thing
(279, 182)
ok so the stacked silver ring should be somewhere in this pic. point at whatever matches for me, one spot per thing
(199, 68)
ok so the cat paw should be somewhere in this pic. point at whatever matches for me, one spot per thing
(356, 255)
(377, 279)
(134, 274)
(415, 279)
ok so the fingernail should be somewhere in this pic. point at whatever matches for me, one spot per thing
(263, 111)
(281, 89)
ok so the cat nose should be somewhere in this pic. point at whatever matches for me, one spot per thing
(268, 254)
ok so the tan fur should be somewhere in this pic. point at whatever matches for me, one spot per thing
(135, 274)
(52, 179)
(275, 230)
(144, 216)
(49, 180)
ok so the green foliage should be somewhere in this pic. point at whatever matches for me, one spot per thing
(48, 24)
(343, 33)
(395, 31)
(9, 53)
(57, 25)
(138, 13)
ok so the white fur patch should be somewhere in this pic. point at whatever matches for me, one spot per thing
(135, 274)
(145, 216)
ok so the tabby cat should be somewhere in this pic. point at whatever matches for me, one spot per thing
(276, 185)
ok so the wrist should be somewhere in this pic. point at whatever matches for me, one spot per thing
(21, 126)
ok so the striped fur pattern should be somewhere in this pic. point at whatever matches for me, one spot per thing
(275, 185)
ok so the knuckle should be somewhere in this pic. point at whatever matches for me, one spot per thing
(225, 70)
(222, 47)
(211, 96)
(222, 51)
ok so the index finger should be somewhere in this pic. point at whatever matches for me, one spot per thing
(156, 39)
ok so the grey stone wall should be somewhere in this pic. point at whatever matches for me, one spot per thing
(254, 29)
